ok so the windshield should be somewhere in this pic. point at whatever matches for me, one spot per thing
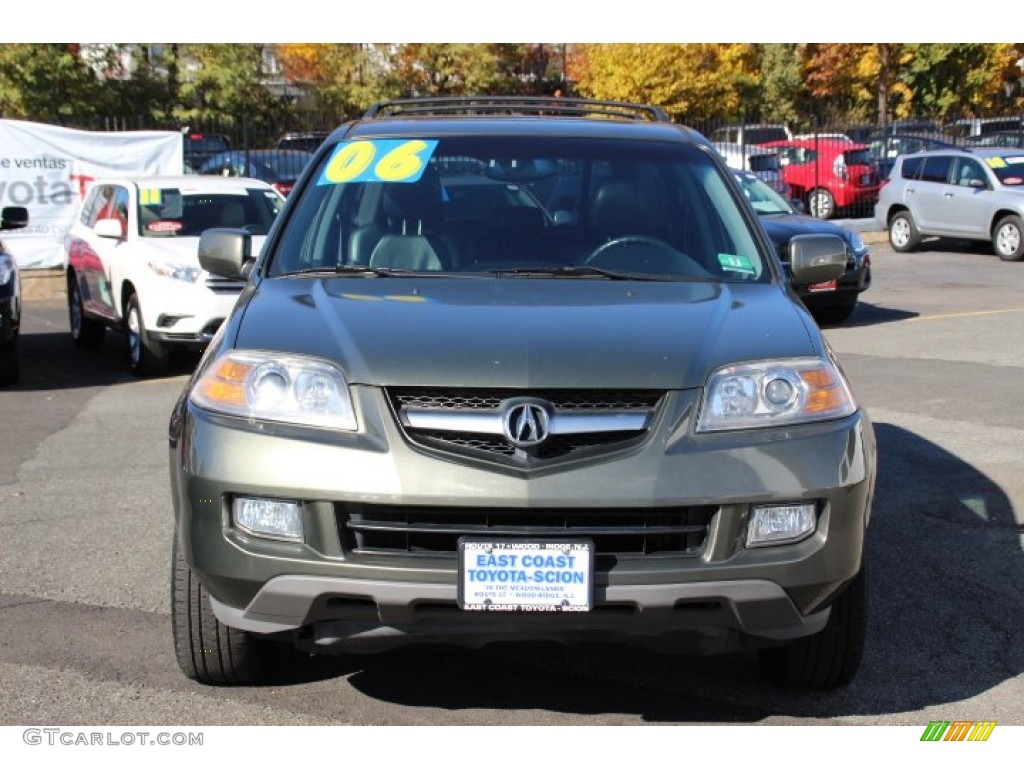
(174, 212)
(526, 206)
(1009, 169)
(764, 199)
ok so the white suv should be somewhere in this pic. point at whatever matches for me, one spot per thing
(970, 194)
(132, 263)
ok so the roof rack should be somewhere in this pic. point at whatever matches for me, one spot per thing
(516, 105)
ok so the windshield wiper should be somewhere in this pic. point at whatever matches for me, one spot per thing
(580, 271)
(349, 269)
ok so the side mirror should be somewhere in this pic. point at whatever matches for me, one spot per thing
(111, 228)
(14, 217)
(816, 258)
(797, 205)
(977, 184)
(226, 252)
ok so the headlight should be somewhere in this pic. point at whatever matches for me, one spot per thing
(774, 393)
(274, 387)
(6, 268)
(184, 272)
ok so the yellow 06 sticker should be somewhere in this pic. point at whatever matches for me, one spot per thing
(395, 160)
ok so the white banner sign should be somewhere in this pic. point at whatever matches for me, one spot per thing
(48, 169)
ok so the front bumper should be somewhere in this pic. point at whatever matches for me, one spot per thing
(333, 598)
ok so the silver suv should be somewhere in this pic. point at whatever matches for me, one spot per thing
(973, 194)
(505, 371)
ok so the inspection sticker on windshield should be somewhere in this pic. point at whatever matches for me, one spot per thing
(526, 575)
(393, 160)
(734, 263)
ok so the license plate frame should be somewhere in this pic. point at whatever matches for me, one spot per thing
(527, 576)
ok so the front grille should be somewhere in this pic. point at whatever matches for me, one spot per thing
(224, 285)
(377, 529)
(493, 446)
(489, 399)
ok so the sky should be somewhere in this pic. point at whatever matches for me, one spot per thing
(518, 21)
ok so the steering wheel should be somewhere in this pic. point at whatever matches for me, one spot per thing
(627, 240)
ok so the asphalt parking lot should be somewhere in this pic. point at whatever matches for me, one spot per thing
(934, 353)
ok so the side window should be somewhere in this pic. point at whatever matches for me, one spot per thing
(91, 207)
(936, 169)
(968, 173)
(912, 167)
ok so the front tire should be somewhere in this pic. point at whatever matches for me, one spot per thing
(837, 312)
(208, 651)
(831, 658)
(1006, 239)
(145, 357)
(10, 362)
(903, 234)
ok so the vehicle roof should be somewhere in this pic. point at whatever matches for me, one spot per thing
(516, 116)
(840, 145)
(185, 181)
(749, 149)
(517, 126)
(970, 151)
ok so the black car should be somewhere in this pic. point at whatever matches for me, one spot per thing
(12, 217)
(829, 302)
(278, 167)
(200, 147)
(307, 141)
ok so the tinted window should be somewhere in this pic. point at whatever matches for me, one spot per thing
(912, 167)
(476, 204)
(857, 157)
(764, 162)
(937, 168)
(762, 135)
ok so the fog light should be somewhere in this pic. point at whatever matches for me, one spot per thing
(268, 517)
(780, 524)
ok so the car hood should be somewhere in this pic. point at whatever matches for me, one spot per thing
(179, 250)
(783, 227)
(524, 333)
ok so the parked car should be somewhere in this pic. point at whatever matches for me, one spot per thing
(827, 175)
(832, 301)
(11, 217)
(751, 133)
(762, 162)
(973, 194)
(200, 147)
(132, 262)
(306, 141)
(1014, 139)
(278, 167)
(618, 424)
(982, 126)
(885, 147)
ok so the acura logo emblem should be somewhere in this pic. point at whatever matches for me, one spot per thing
(526, 422)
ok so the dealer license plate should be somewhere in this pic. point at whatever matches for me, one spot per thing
(818, 287)
(526, 575)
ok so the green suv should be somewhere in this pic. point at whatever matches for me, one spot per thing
(519, 369)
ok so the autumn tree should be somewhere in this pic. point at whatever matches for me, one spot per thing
(693, 82)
